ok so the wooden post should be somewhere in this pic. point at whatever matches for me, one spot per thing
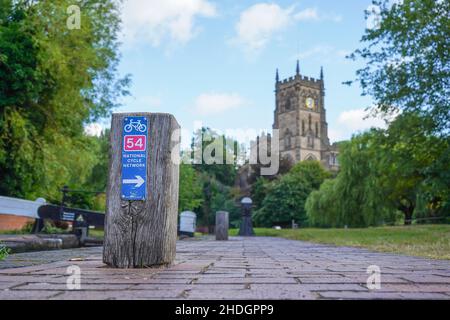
(222, 222)
(143, 233)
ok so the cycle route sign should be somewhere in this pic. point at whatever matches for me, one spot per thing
(134, 158)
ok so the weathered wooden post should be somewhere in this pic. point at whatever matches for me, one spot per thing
(222, 222)
(142, 192)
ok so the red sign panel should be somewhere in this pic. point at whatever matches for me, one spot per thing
(135, 143)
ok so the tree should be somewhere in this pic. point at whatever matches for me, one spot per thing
(384, 172)
(286, 196)
(53, 81)
(406, 61)
(361, 199)
(212, 189)
(207, 142)
(321, 206)
(408, 159)
(190, 193)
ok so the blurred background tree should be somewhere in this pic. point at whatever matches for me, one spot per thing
(53, 82)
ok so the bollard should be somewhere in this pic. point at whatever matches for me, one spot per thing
(142, 193)
(246, 229)
(222, 221)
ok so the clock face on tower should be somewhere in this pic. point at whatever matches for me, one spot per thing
(310, 103)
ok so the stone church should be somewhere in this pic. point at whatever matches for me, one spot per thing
(300, 117)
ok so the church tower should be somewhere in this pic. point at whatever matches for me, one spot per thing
(300, 117)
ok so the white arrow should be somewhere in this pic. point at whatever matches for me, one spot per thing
(138, 181)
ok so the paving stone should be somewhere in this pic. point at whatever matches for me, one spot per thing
(118, 295)
(27, 295)
(416, 287)
(246, 280)
(379, 295)
(308, 287)
(242, 268)
(7, 285)
(63, 286)
(427, 279)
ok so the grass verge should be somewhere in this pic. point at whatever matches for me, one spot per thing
(430, 241)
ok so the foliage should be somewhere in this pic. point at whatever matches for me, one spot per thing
(285, 166)
(4, 252)
(217, 197)
(286, 196)
(54, 81)
(50, 228)
(222, 152)
(259, 191)
(321, 206)
(206, 185)
(190, 193)
(404, 168)
(354, 198)
(384, 172)
(406, 61)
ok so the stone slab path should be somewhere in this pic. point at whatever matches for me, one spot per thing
(242, 268)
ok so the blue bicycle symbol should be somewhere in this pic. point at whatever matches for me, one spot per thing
(136, 125)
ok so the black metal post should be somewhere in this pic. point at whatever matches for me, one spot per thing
(246, 229)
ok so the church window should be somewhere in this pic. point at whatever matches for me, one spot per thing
(288, 104)
(303, 127)
(287, 140)
(317, 130)
(310, 140)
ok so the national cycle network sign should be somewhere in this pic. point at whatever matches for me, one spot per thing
(134, 158)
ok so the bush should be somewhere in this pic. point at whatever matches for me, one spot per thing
(286, 196)
(4, 252)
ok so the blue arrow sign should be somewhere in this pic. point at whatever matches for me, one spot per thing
(134, 158)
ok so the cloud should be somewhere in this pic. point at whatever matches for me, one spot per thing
(307, 14)
(322, 50)
(259, 23)
(154, 21)
(215, 103)
(312, 14)
(323, 53)
(351, 122)
(358, 120)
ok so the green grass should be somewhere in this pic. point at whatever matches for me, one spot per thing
(96, 233)
(4, 252)
(430, 241)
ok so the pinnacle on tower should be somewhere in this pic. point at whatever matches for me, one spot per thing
(277, 77)
(321, 73)
(298, 68)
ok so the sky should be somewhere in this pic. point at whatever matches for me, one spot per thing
(213, 63)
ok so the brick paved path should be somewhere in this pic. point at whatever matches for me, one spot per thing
(252, 268)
